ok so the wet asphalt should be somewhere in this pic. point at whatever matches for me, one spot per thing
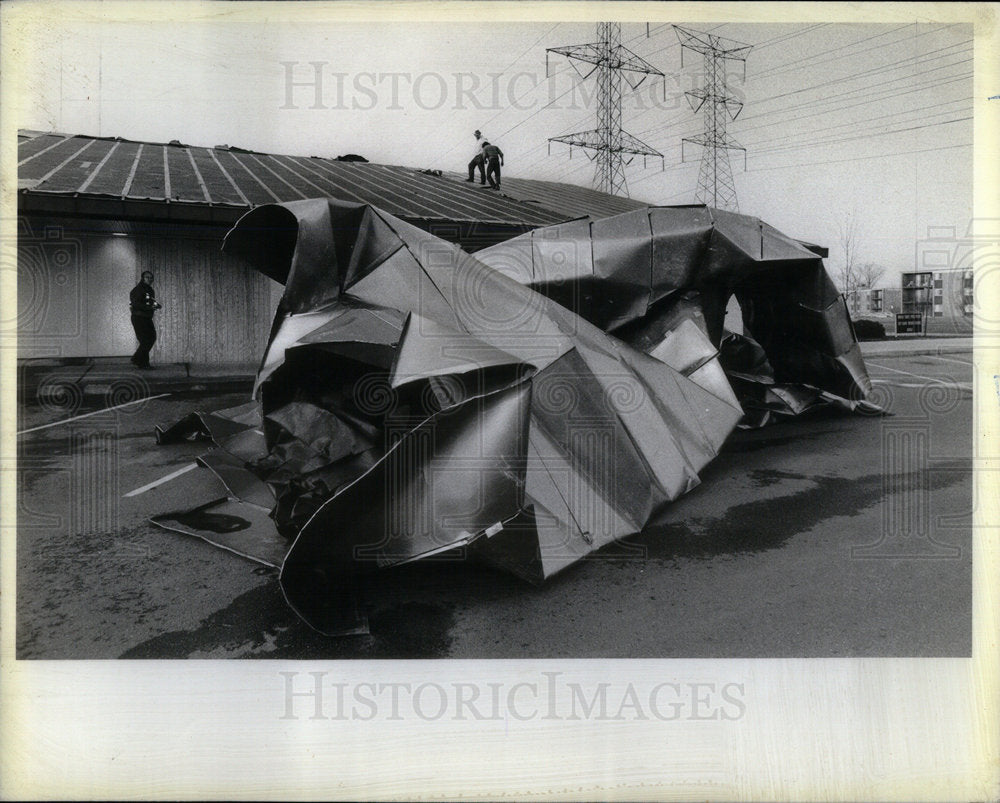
(831, 535)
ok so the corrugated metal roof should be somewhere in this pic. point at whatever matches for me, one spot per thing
(568, 199)
(51, 164)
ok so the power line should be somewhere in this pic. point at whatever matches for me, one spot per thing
(841, 161)
(864, 73)
(787, 66)
(860, 136)
(858, 97)
(861, 158)
(537, 111)
(531, 47)
(866, 102)
(785, 37)
(563, 94)
(866, 89)
(869, 98)
(775, 40)
(562, 172)
(627, 95)
(845, 139)
(905, 40)
(821, 102)
(836, 139)
(869, 120)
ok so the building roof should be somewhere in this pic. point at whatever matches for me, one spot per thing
(569, 199)
(233, 180)
(127, 179)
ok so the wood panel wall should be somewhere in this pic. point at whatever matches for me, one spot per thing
(214, 308)
(74, 281)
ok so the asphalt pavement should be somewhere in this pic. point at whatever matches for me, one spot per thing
(831, 535)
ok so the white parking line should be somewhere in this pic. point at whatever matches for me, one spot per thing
(910, 373)
(949, 359)
(94, 412)
(952, 384)
(959, 385)
(161, 480)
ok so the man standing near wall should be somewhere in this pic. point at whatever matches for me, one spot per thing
(142, 303)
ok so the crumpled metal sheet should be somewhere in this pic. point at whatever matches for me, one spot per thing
(526, 405)
(415, 401)
(217, 426)
(641, 275)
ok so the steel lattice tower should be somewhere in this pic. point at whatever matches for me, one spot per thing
(715, 178)
(608, 141)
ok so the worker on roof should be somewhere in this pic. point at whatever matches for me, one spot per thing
(494, 160)
(478, 161)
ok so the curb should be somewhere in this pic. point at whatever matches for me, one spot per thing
(99, 389)
(204, 386)
(929, 351)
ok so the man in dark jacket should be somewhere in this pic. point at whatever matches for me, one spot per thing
(494, 160)
(142, 303)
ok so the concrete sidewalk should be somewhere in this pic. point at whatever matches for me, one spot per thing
(118, 380)
(913, 346)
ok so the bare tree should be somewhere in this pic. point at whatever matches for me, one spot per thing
(869, 275)
(848, 274)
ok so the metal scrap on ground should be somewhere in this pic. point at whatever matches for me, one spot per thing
(415, 399)
(650, 275)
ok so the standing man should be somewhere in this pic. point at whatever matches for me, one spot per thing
(478, 161)
(142, 303)
(494, 160)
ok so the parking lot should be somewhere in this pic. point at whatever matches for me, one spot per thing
(831, 535)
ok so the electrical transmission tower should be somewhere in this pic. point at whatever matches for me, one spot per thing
(608, 141)
(715, 178)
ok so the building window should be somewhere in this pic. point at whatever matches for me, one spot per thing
(876, 301)
(916, 292)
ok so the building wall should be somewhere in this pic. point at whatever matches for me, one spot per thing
(883, 302)
(74, 278)
(951, 300)
(945, 297)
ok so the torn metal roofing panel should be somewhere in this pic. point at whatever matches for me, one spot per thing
(641, 273)
(414, 400)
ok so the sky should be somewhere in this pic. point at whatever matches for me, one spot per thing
(865, 120)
